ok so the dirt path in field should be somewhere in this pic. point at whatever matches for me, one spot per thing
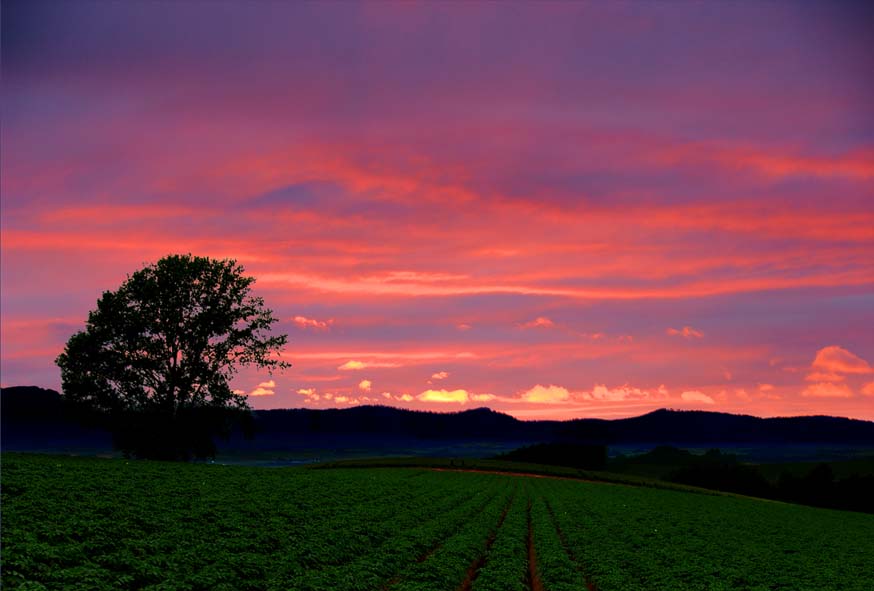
(590, 585)
(476, 565)
(534, 582)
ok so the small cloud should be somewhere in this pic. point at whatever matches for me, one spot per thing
(742, 394)
(463, 326)
(386, 395)
(365, 385)
(766, 387)
(311, 323)
(482, 397)
(696, 396)
(309, 393)
(345, 400)
(868, 389)
(440, 375)
(827, 390)
(539, 322)
(264, 389)
(354, 365)
(626, 392)
(687, 332)
(459, 396)
(405, 398)
(546, 394)
(834, 359)
(726, 374)
(238, 392)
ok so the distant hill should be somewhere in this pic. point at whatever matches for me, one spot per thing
(35, 418)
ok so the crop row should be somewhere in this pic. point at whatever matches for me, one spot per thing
(625, 538)
(108, 524)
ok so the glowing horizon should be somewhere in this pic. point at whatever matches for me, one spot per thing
(552, 210)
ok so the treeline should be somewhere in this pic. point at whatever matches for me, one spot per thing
(818, 487)
(583, 457)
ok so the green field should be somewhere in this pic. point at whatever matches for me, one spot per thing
(71, 523)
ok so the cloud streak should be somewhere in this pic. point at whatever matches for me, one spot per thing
(478, 209)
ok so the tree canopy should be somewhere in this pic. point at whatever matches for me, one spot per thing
(157, 355)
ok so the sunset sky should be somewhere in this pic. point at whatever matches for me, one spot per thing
(553, 210)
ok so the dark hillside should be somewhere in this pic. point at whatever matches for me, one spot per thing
(35, 418)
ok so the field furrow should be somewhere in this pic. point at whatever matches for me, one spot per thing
(420, 530)
(100, 525)
(451, 561)
(503, 565)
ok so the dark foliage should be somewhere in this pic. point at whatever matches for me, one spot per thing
(584, 457)
(724, 474)
(157, 355)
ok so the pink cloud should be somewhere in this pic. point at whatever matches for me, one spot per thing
(626, 392)
(827, 390)
(539, 322)
(818, 376)
(696, 396)
(687, 332)
(838, 360)
(440, 375)
(868, 389)
(365, 385)
(304, 322)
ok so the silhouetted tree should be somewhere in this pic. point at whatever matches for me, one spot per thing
(157, 355)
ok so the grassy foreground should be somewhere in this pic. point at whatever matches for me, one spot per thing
(80, 523)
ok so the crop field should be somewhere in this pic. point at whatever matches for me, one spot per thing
(71, 523)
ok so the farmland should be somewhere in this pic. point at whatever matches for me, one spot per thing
(71, 523)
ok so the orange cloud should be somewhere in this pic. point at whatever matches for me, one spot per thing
(546, 394)
(353, 365)
(839, 360)
(827, 390)
(440, 375)
(696, 396)
(868, 389)
(309, 393)
(687, 332)
(264, 389)
(365, 385)
(460, 396)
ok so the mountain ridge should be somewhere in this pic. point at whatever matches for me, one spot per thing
(30, 414)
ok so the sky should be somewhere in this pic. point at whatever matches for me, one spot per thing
(556, 210)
